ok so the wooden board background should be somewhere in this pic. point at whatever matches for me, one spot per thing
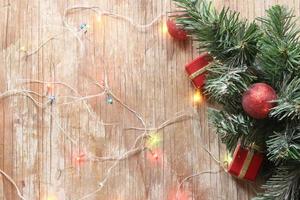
(145, 69)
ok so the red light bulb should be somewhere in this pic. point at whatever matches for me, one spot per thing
(155, 156)
(80, 159)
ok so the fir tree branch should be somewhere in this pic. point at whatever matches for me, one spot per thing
(288, 102)
(279, 47)
(230, 127)
(284, 145)
(283, 185)
(239, 48)
(228, 39)
(226, 85)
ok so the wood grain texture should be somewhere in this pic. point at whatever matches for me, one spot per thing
(145, 70)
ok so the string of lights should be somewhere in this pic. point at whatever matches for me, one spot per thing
(149, 137)
(98, 10)
(179, 187)
(131, 152)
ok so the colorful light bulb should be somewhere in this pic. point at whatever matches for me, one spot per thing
(83, 27)
(178, 194)
(227, 159)
(49, 88)
(198, 98)
(98, 18)
(51, 197)
(80, 159)
(155, 157)
(154, 140)
(109, 99)
(23, 48)
(164, 28)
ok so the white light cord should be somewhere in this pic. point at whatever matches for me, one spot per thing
(13, 183)
(99, 12)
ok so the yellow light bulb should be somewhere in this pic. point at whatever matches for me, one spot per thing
(164, 28)
(51, 197)
(154, 140)
(198, 97)
(98, 18)
(23, 48)
(228, 158)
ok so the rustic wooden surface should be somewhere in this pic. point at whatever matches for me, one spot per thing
(144, 69)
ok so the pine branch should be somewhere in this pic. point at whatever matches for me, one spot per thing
(243, 54)
(288, 102)
(283, 185)
(279, 47)
(226, 85)
(229, 39)
(230, 127)
(285, 145)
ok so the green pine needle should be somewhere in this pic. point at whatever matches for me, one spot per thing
(279, 47)
(226, 85)
(230, 127)
(288, 102)
(283, 185)
(229, 39)
(245, 53)
(284, 145)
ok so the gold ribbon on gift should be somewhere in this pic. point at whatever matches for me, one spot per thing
(252, 148)
(255, 147)
(246, 164)
(199, 72)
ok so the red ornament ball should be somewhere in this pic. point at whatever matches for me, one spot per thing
(175, 31)
(257, 100)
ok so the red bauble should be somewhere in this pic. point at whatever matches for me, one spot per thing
(257, 100)
(175, 31)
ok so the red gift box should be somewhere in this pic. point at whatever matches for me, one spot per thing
(246, 163)
(197, 69)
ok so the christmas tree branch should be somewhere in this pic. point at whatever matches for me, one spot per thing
(228, 39)
(230, 127)
(280, 48)
(283, 185)
(288, 102)
(245, 54)
(225, 85)
(284, 145)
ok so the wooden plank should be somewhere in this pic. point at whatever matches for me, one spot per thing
(145, 70)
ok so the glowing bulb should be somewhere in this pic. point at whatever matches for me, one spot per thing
(51, 197)
(49, 87)
(165, 28)
(80, 159)
(84, 27)
(23, 48)
(228, 158)
(153, 141)
(98, 18)
(109, 99)
(179, 194)
(198, 97)
(155, 156)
